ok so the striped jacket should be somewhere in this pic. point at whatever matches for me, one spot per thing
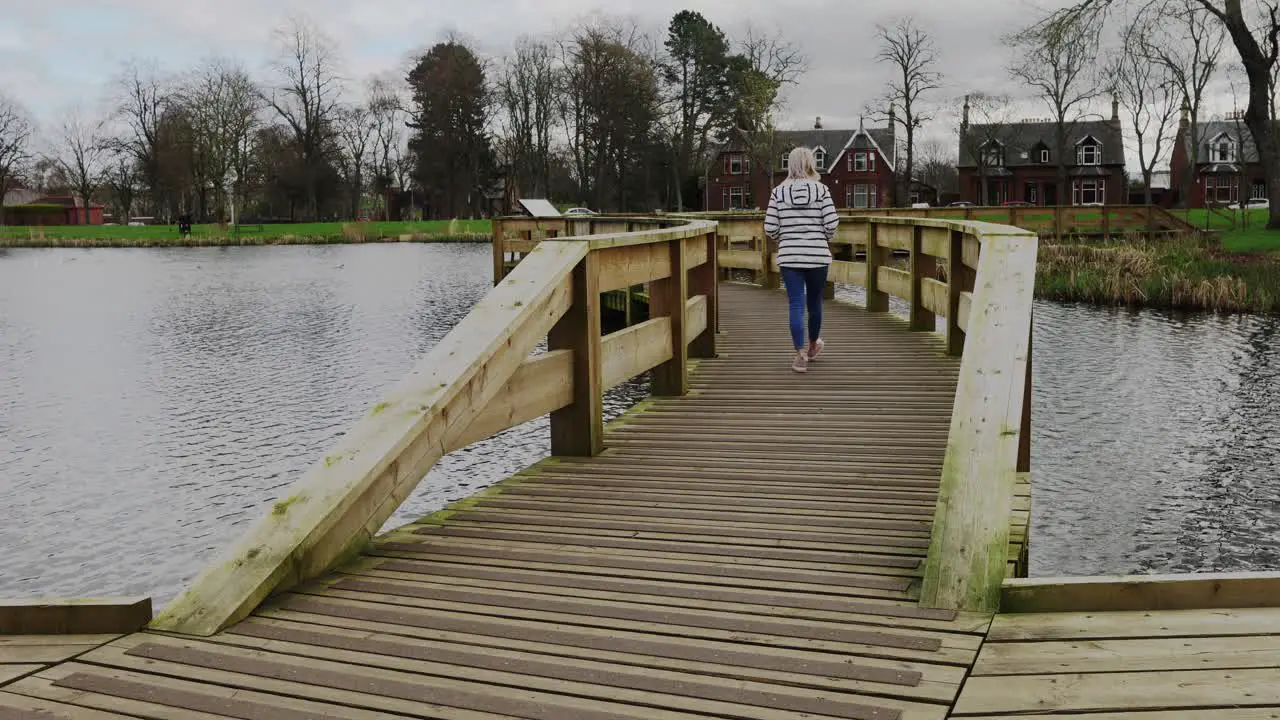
(802, 218)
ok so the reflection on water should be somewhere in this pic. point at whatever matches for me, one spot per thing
(154, 402)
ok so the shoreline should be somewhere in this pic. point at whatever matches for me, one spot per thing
(228, 241)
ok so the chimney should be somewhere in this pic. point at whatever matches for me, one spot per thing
(1115, 109)
(964, 119)
(1185, 118)
(817, 124)
(893, 116)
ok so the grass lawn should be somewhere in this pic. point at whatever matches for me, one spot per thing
(332, 231)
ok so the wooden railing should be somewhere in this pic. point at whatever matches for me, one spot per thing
(979, 277)
(479, 380)
(1059, 222)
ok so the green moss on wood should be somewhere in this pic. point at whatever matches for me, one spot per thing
(282, 506)
(379, 408)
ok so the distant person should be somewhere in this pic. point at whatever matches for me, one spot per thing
(802, 218)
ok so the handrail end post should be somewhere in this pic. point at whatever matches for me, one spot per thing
(578, 429)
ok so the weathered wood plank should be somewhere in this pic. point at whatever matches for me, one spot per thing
(629, 265)
(539, 386)
(849, 273)
(1135, 624)
(1112, 692)
(21, 707)
(340, 503)
(895, 282)
(78, 616)
(741, 259)
(969, 550)
(578, 428)
(1142, 592)
(629, 352)
(1154, 655)
(933, 295)
(9, 673)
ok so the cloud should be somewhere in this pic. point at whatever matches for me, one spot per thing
(59, 54)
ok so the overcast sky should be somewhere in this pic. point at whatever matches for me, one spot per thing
(57, 54)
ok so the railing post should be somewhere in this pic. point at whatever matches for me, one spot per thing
(956, 276)
(667, 299)
(877, 300)
(1024, 433)
(578, 430)
(772, 278)
(703, 281)
(922, 266)
(499, 251)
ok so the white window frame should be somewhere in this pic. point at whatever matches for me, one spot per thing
(1214, 185)
(786, 160)
(1258, 190)
(1224, 149)
(741, 193)
(993, 153)
(820, 159)
(735, 164)
(861, 197)
(848, 195)
(1089, 152)
(1097, 188)
(1044, 155)
(874, 194)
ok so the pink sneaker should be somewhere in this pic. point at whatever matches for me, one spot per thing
(816, 349)
(800, 364)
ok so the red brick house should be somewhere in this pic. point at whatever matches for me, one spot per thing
(26, 207)
(857, 165)
(1227, 167)
(1018, 162)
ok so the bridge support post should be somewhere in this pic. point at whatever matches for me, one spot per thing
(667, 298)
(922, 266)
(703, 280)
(877, 299)
(578, 429)
(958, 280)
(771, 279)
(499, 251)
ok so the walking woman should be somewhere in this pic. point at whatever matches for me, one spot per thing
(802, 218)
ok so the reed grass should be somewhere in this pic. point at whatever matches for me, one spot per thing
(1180, 273)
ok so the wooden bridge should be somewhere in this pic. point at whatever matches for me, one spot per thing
(748, 543)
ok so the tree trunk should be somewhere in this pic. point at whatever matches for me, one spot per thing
(1146, 181)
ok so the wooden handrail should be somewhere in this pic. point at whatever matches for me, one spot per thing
(986, 300)
(480, 380)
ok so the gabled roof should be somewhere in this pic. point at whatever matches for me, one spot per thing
(835, 142)
(1022, 137)
(1209, 130)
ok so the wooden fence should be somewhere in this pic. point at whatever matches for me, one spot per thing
(480, 380)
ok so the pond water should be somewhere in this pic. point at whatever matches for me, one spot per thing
(154, 401)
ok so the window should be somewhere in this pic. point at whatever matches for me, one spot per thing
(1033, 193)
(861, 196)
(735, 164)
(820, 159)
(1089, 153)
(737, 198)
(786, 160)
(1088, 192)
(1224, 189)
(862, 162)
(993, 154)
(1044, 155)
(1259, 190)
(1223, 150)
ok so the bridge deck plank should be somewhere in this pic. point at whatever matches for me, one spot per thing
(749, 551)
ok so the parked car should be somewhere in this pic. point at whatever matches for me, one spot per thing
(919, 205)
(580, 211)
(961, 203)
(1252, 204)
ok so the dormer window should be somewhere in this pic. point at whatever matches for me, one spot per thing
(1089, 152)
(820, 159)
(1222, 149)
(1044, 156)
(736, 164)
(786, 160)
(993, 154)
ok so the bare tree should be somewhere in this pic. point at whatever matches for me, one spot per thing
(763, 66)
(389, 160)
(307, 97)
(1149, 95)
(82, 157)
(142, 96)
(121, 178)
(1187, 42)
(528, 91)
(356, 128)
(913, 59)
(222, 104)
(773, 56)
(937, 162)
(1254, 29)
(16, 130)
(1058, 63)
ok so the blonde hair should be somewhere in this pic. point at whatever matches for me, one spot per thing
(802, 165)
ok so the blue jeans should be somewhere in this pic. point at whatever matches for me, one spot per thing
(804, 289)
